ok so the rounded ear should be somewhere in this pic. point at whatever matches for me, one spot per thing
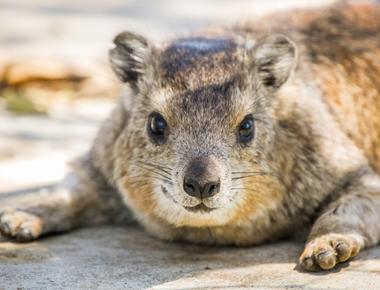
(130, 57)
(274, 59)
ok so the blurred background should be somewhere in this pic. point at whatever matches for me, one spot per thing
(55, 82)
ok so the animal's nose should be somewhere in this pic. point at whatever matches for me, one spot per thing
(194, 188)
(202, 178)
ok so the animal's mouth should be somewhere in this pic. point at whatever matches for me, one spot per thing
(199, 208)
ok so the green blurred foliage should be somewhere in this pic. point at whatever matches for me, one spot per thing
(17, 102)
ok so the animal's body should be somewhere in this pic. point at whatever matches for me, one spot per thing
(239, 136)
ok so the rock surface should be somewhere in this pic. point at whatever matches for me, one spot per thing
(127, 258)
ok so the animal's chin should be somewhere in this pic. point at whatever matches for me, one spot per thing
(201, 207)
(198, 214)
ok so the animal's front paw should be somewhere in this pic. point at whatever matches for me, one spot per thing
(326, 251)
(20, 225)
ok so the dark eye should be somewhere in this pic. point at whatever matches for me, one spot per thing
(246, 129)
(157, 128)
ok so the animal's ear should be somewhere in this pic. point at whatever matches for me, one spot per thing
(130, 57)
(274, 59)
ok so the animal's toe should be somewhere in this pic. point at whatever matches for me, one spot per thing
(20, 225)
(343, 250)
(8, 223)
(307, 262)
(29, 230)
(318, 256)
(328, 250)
(326, 258)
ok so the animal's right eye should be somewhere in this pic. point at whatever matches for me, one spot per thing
(246, 130)
(157, 128)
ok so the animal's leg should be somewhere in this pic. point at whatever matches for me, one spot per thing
(80, 200)
(348, 225)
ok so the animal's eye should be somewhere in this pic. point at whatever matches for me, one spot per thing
(157, 128)
(246, 129)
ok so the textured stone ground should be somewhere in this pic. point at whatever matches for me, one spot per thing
(53, 39)
(127, 258)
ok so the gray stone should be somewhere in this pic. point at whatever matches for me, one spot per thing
(128, 258)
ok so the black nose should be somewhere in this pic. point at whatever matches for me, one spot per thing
(194, 188)
(202, 178)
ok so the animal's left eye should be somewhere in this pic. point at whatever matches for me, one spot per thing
(157, 128)
(246, 129)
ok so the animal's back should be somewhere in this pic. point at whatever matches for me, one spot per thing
(344, 50)
(340, 47)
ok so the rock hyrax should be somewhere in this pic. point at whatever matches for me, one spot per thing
(237, 136)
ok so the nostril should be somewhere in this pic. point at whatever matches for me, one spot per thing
(210, 189)
(191, 187)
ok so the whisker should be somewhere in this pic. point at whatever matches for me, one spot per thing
(164, 180)
(252, 175)
(155, 172)
(258, 182)
(246, 172)
(139, 179)
(155, 164)
(150, 169)
(246, 189)
(161, 177)
(158, 166)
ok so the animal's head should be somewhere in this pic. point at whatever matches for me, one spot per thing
(200, 131)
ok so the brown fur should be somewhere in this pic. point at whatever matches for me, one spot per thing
(314, 158)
